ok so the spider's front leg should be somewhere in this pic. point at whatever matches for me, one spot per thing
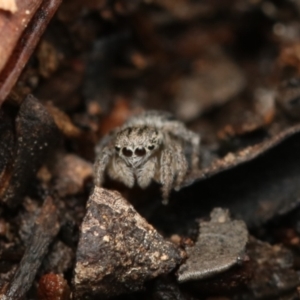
(166, 174)
(102, 161)
(178, 130)
(103, 156)
(180, 164)
(194, 139)
(118, 170)
(146, 172)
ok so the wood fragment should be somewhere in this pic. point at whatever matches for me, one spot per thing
(45, 229)
(36, 136)
(19, 35)
(13, 25)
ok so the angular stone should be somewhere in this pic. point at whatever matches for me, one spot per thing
(118, 250)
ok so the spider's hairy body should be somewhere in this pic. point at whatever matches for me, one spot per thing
(150, 146)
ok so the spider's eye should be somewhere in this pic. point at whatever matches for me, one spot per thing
(117, 148)
(151, 147)
(127, 152)
(140, 152)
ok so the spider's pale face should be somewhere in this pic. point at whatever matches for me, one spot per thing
(136, 144)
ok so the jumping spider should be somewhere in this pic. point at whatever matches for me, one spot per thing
(148, 146)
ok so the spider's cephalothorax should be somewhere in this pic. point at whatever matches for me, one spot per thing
(150, 146)
(135, 145)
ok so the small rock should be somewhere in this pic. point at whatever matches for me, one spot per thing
(53, 287)
(118, 250)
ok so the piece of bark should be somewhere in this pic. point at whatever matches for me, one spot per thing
(118, 250)
(244, 156)
(220, 245)
(12, 26)
(19, 35)
(36, 134)
(45, 229)
(30, 211)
